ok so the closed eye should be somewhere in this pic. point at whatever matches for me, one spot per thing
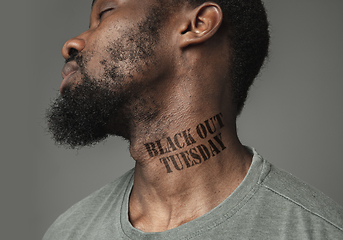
(101, 14)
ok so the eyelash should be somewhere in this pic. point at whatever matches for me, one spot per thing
(103, 12)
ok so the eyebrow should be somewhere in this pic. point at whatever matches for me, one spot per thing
(94, 1)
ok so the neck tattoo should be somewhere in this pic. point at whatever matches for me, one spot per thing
(192, 153)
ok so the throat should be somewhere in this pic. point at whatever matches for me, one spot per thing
(181, 176)
(184, 148)
(161, 201)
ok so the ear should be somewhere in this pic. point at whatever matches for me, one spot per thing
(203, 22)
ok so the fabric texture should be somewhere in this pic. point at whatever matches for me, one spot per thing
(268, 204)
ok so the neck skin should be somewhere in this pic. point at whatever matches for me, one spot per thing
(182, 181)
(166, 195)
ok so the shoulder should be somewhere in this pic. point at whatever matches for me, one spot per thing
(95, 206)
(294, 192)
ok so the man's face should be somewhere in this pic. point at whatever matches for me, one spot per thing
(121, 36)
(108, 74)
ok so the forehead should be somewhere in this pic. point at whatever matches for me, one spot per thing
(131, 2)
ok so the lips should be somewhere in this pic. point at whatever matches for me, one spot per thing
(68, 69)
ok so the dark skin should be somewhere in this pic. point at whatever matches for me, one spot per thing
(187, 78)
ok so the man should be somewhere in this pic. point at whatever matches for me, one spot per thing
(171, 76)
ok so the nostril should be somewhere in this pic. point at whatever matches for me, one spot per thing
(73, 52)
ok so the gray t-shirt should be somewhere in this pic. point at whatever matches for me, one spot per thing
(268, 204)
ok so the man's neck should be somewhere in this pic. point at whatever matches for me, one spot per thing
(186, 171)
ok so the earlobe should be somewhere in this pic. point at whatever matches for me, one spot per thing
(203, 22)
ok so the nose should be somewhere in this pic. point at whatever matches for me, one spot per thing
(71, 45)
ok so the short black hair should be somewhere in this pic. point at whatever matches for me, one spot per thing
(248, 31)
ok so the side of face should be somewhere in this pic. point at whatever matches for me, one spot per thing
(109, 72)
(118, 72)
(119, 45)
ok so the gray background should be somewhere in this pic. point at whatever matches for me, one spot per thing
(293, 116)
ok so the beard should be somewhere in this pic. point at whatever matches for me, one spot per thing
(80, 117)
(90, 111)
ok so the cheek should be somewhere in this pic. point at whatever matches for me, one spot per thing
(96, 56)
(93, 66)
(93, 61)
